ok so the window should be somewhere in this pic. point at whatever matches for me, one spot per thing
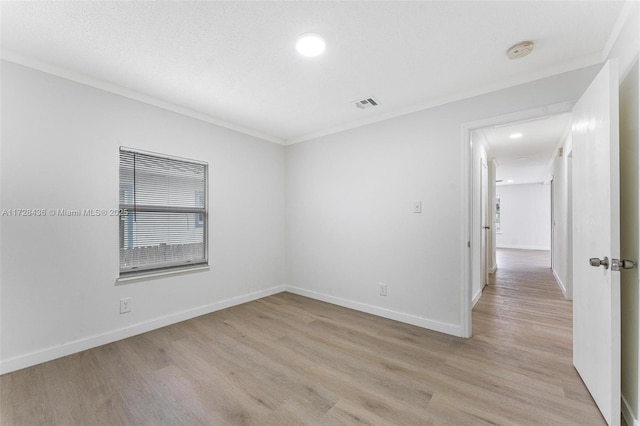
(166, 203)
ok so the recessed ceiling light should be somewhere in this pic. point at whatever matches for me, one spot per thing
(515, 135)
(310, 44)
(510, 181)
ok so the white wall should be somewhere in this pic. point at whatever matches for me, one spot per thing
(350, 223)
(60, 144)
(525, 216)
(630, 237)
(626, 50)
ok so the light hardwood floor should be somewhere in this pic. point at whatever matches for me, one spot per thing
(287, 359)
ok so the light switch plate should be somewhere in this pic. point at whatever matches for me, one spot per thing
(417, 206)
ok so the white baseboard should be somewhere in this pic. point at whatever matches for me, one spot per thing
(562, 286)
(493, 269)
(476, 298)
(453, 329)
(49, 354)
(519, 247)
(628, 414)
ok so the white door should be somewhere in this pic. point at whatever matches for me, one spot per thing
(596, 225)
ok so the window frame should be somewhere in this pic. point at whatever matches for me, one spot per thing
(132, 208)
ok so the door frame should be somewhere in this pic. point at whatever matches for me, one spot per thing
(484, 219)
(553, 221)
(488, 220)
(468, 257)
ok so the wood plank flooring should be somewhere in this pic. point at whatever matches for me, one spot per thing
(286, 359)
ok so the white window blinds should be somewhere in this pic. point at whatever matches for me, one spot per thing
(166, 201)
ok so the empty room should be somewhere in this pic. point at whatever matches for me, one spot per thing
(280, 212)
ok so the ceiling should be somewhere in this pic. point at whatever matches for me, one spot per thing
(525, 159)
(234, 63)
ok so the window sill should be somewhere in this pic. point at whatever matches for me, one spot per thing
(160, 274)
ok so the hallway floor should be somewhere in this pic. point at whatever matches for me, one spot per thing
(524, 316)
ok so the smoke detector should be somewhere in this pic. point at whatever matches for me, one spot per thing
(520, 50)
(366, 103)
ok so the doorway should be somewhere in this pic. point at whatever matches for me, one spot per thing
(509, 163)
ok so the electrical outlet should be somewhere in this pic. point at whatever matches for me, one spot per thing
(125, 305)
(383, 289)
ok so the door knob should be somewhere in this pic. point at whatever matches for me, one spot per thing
(594, 261)
(486, 227)
(617, 264)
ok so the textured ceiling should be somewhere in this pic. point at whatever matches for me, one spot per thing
(235, 62)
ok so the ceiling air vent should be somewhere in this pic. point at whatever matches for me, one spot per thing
(366, 103)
